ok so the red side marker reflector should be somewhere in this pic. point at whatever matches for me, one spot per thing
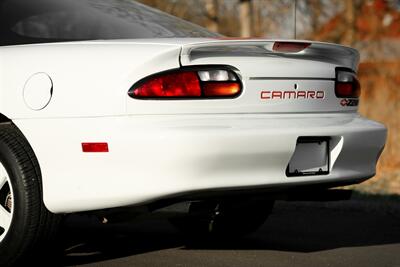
(94, 147)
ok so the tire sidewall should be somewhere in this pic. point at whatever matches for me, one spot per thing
(14, 239)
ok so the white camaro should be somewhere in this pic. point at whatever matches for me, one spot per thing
(108, 103)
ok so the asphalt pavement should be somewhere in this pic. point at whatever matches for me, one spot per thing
(364, 231)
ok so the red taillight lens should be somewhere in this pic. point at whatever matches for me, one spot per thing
(289, 47)
(185, 84)
(347, 84)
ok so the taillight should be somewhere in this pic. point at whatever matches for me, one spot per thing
(188, 84)
(347, 84)
(290, 47)
(184, 84)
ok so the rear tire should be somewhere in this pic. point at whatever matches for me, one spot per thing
(30, 224)
(227, 219)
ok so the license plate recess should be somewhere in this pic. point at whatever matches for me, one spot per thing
(311, 157)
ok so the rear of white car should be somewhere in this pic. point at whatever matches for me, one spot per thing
(283, 125)
(122, 123)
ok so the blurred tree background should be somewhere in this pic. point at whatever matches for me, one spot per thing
(371, 26)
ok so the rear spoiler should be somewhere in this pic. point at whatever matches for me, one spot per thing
(326, 52)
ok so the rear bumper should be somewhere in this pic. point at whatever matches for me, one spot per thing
(155, 157)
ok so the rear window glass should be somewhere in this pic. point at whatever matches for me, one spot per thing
(38, 21)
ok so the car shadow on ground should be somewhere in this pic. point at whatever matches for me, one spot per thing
(293, 226)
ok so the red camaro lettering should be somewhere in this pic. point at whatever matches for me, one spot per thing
(276, 94)
(310, 94)
(265, 94)
(320, 94)
(289, 94)
(301, 94)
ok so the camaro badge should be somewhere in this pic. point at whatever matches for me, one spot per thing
(311, 94)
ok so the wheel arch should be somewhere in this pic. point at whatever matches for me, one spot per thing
(4, 119)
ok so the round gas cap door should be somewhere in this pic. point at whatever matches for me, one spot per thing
(38, 91)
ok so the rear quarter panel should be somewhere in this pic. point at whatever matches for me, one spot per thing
(88, 80)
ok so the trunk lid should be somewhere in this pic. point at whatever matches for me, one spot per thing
(273, 82)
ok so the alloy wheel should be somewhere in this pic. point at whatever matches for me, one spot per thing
(6, 202)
